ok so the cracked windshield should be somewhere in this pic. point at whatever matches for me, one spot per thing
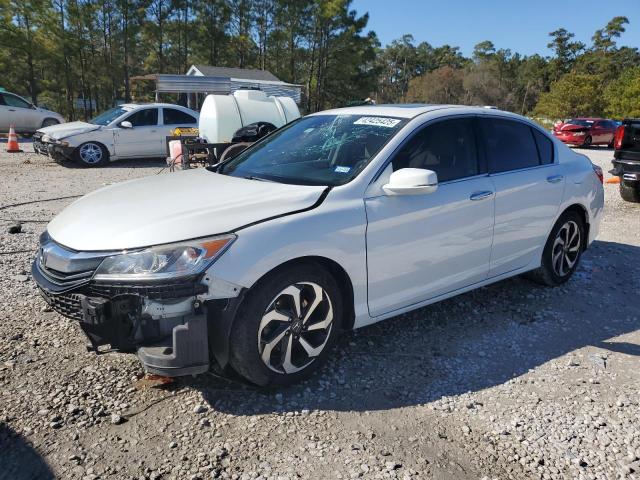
(317, 150)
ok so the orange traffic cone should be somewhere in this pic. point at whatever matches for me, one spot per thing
(612, 180)
(12, 143)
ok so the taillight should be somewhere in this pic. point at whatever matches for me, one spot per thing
(598, 171)
(617, 140)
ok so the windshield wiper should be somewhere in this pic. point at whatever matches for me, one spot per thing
(260, 179)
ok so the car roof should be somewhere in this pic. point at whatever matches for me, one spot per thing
(406, 110)
(588, 118)
(135, 105)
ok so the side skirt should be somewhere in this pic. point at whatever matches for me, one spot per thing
(362, 322)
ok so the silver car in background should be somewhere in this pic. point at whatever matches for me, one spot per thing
(25, 117)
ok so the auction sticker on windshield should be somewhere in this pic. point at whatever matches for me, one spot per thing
(378, 121)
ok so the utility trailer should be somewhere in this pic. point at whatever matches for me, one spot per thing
(228, 124)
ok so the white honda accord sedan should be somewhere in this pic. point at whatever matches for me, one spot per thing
(336, 221)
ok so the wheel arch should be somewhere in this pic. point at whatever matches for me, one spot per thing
(49, 118)
(337, 272)
(76, 149)
(584, 214)
(223, 312)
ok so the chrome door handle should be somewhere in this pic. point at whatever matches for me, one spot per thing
(555, 178)
(481, 195)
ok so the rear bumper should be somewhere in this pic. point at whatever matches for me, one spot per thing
(628, 170)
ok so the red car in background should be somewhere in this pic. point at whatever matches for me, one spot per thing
(586, 131)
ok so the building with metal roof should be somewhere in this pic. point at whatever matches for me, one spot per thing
(201, 80)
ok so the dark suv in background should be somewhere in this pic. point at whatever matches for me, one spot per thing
(626, 162)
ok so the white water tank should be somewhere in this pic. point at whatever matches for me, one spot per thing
(222, 115)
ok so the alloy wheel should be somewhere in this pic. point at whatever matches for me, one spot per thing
(90, 153)
(295, 328)
(566, 248)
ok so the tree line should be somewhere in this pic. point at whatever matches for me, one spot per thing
(600, 79)
(79, 57)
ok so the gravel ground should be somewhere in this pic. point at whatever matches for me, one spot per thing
(510, 381)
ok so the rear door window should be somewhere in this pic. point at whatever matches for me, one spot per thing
(448, 148)
(174, 116)
(144, 118)
(509, 145)
(14, 101)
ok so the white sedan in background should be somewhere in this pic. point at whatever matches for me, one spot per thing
(126, 131)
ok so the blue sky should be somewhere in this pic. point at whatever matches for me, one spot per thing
(521, 25)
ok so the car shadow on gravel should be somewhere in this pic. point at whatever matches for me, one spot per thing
(19, 460)
(151, 163)
(471, 342)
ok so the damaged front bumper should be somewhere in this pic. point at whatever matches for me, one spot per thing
(52, 149)
(176, 327)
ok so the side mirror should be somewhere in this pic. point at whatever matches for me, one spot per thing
(411, 181)
(126, 124)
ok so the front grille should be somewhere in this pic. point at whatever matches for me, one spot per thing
(63, 279)
(65, 268)
(67, 304)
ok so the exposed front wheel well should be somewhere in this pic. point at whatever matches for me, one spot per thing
(580, 210)
(337, 272)
(49, 121)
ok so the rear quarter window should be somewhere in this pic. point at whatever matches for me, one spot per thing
(545, 147)
(510, 145)
(173, 116)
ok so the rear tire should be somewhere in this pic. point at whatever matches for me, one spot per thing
(271, 343)
(630, 192)
(91, 154)
(562, 252)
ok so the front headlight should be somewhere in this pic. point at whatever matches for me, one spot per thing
(578, 134)
(165, 261)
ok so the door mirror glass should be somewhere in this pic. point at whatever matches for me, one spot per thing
(411, 181)
(126, 124)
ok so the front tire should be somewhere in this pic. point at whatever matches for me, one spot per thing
(49, 122)
(587, 142)
(629, 192)
(286, 325)
(91, 154)
(562, 252)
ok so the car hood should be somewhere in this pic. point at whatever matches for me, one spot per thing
(63, 130)
(570, 127)
(173, 207)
